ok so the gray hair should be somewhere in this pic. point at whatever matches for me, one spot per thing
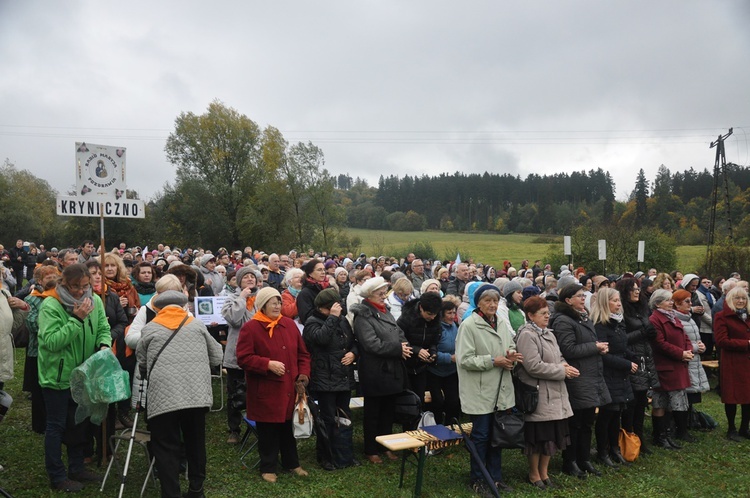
(658, 297)
(290, 274)
(489, 293)
(729, 284)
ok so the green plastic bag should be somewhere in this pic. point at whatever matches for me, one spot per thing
(96, 383)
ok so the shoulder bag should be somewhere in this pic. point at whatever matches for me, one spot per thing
(507, 426)
(527, 397)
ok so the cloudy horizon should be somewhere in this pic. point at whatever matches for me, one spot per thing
(389, 88)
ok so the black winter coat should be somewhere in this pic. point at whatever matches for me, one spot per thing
(118, 321)
(328, 339)
(577, 341)
(617, 361)
(420, 333)
(306, 300)
(640, 330)
(381, 370)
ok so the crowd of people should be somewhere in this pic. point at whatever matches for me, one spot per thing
(597, 348)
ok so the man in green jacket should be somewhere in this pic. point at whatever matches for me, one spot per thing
(72, 326)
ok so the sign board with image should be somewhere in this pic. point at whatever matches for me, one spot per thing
(100, 169)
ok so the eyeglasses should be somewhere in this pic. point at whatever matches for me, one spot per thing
(635, 290)
(579, 296)
(76, 287)
(542, 313)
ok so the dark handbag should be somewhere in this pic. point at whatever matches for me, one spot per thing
(342, 445)
(507, 426)
(408, 409)
(21, 336)
(527, 397)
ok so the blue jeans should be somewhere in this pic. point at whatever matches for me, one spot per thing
(480, 435)
(61, 428)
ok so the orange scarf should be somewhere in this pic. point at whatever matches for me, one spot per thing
(250, 304)
(261, 317)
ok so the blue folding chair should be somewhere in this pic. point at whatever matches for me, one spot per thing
(250, 430)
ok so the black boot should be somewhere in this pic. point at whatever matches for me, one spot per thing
(617, 457)
(586, 466)
(572, 469)
(669, 434)
(660, 433)
(681, 422)
(602, 456)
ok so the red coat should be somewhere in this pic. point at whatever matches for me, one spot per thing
(732, 334)
(270, 398)
(668, 345)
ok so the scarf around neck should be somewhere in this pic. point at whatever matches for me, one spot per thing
(121, 288)
(270, 323)
(68, 301)
(669, 313)
(144, 288)
(380, 307)
(616, 317)
(320, 284)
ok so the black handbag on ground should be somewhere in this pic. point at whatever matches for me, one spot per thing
(342, 446)
(507, 426)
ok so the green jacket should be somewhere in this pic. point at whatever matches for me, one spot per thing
(477, 345)
(65, 341)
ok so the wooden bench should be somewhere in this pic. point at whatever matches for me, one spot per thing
(710, 364)
(417, 446)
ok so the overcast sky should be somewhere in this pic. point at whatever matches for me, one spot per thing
(407, 87)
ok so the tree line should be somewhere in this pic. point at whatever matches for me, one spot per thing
(237, 183)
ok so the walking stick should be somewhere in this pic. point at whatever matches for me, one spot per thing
(132, 439)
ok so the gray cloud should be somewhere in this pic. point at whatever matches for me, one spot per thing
(383, 87)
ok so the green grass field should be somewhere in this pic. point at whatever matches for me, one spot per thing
(487, 248)
(710, 467)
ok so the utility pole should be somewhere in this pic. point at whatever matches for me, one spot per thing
(720, 167)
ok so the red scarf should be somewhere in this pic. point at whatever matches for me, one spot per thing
(380, 307)
(320, 284)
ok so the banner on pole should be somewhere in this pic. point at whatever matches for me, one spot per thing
(100, 169)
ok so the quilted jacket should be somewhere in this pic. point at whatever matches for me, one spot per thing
(181, 377)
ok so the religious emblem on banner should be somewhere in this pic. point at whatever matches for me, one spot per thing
(100, 169)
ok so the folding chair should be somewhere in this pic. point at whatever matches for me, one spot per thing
(142, 438)
(249, 431)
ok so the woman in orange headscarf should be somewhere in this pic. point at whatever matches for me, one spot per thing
(273, 355)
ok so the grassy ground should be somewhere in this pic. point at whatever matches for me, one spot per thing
(486, 247)
(711, 467)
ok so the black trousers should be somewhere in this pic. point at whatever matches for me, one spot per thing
(445, 404)
(580, 425)
(328, 405)
(635, 413)
(274, 438)
(235, 381)
(607, 430)
(378, 420)
(166, 430)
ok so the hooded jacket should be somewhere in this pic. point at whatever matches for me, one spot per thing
(420, 333)
(181, 376)
(478, 379)
(66, 341)
(328, 339)
(10, 319)
(698, 378)
(381, 370)
(577, 340)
